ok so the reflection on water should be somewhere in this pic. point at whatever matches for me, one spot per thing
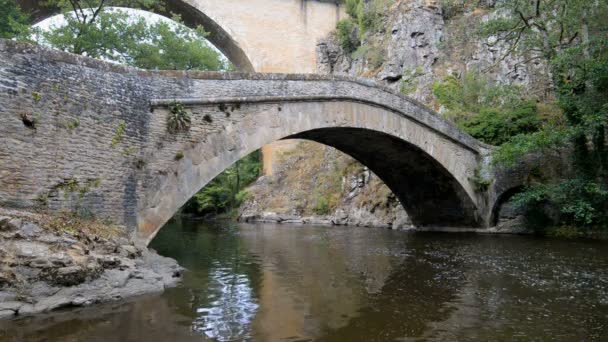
(273, 283)
(231, 309)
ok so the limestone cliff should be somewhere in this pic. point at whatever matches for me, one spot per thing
(415, 43)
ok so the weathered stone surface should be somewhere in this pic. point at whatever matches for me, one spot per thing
(29, 230)
(133, 176)
(39, 274)
(27, 249)
(4, 314)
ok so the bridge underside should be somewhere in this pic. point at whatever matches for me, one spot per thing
(430, 195)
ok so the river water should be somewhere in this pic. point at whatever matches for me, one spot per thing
(302, 283)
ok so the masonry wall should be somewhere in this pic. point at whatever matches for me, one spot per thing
(79, 133)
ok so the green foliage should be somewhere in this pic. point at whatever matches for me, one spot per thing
(364, 17)
(371, 54)
(496, 127)
(581, 202)
(13, 22)
(409, 79)
(352, 8)
(73, 186)
(113, 34)
(520, 145)
(225, 192)
(71, 123)
(321, 206)
(36, 96)
(179, 155)
(480, 183)
(118, 134)
(545, 28)
(490, 112)
(347, 37)
(127, 151)
(178, 119)
(451, 8)
(571, 37)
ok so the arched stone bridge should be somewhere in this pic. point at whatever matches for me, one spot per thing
(255, 35)
(80, 133)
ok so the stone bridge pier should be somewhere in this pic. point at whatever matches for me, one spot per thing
(82, 133)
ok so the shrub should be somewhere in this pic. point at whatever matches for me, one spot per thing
(178, 119)
(581, 202)
(490, 112)
(322, 206)
(371, 55)
(409, 80)
(120, 131)
(495, 126)
(347, 36)
(451, 8)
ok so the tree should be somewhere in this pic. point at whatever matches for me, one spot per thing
(225, 192)
(12, 21)
(95, 30)
(571, 36)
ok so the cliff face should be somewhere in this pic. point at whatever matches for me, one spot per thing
(416, 43)
(317, 184)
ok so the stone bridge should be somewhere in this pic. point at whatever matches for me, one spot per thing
(79, 133)
(255, 35)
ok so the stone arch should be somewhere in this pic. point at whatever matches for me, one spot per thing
(427, 172)
(501, 200)
(191, 16)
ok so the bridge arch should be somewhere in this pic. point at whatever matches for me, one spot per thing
(427, 172)
(255, 35)
(191, 16)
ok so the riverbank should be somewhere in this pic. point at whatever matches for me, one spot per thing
(49, 262)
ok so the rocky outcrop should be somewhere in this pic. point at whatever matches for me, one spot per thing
(331, 188)
(422, 42)
(43, 269)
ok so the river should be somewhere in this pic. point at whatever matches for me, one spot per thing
(302, 283)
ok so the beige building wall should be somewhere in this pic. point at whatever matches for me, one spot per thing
(276, 35)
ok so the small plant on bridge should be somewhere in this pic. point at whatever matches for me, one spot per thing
(178, 119)
(120, 131)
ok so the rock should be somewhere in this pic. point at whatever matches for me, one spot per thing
(60, 259)
(49, 271)
(66, 276)
(128, 251)
(28, 249)
(29, 230)
(13, 306)
(4, 223)
(116, 278)
(26, 309)
(6, 296)
(5, 314)
(108, 261)
(9, 224)
(515, 225)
